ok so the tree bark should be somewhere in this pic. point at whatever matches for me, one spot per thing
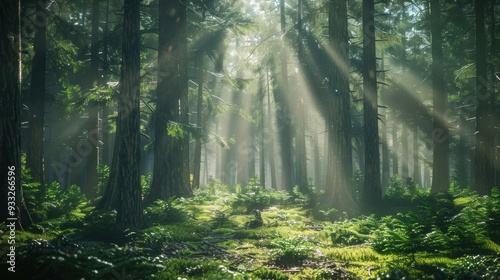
(272, 165)
(170, 160)
(300, 135)
(404, 153)
(339, 193)
(493, 107)
(93, 108)
(10, 107)
(262, 142)
(386, 176)
(34, 155)
(199, 121)
(461, 165)
(124, 187)
(283, 113)
(483, 158)
(394, 131)
(416, 165)
(440, 134)
(372, 193)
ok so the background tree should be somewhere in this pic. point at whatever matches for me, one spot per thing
(440, 134)
(124, 189)
(168, 172)
(93, 109)
(339, 192)
(35, 154)
(372, 191)
(484, 153)
(10, 106)
(283, 113)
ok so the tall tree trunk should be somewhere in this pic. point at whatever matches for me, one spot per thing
(404, 153)
(493, 107)
(250, 160)
(427, 177)
(300, 136)
(301, 157)
(318, 179)
(339, 193)
(184, 188)
(199, 121)
(394, 132)
(386, 176)
(105, 106)
(405, 159)
(219, 62)
(10, 108)
(262, 127)
(169, 174)
(440, 137)
(416, 165)
(124, 188)
(461, 166)
(372, 192)
(483, 158)
(34, 155)
(272, 165)
(93, 108)
(283, 112)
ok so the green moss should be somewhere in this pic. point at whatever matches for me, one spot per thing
(352, 254)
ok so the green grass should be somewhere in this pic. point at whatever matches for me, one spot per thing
(202, 248)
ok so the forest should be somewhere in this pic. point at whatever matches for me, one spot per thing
(259, 139)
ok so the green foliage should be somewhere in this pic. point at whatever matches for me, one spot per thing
(309, 199)
(63, 258)
(397, 191)
(267, 273)
(52, 201)
(468, 229)
(195, 269)
(256, 197)
(290, 251)
(156, 237)
(222, 219)
(349, 232)
(101, 226)
(214, 190)
(103, 173)
(438, 225)
(176, 130)
(474, 267)
(459, 191)
(146, 181)
(403, 235)
(165, 212)
(492, 205)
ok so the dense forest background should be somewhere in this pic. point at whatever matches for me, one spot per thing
(250, 139)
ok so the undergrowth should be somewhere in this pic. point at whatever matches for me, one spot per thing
(250, 232)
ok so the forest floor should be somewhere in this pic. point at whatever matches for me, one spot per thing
(220, 235)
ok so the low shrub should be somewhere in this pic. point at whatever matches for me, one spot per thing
(290, 251)
(401, 192)
(473, 267)
(164, 212)
(52, 201)
(255, 197)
